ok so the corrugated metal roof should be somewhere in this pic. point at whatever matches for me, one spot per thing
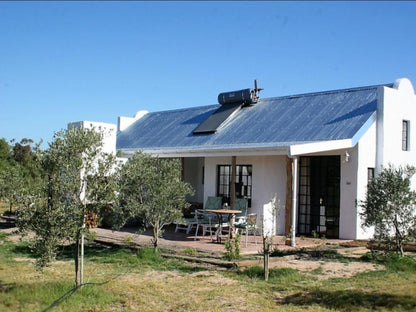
(274, 122)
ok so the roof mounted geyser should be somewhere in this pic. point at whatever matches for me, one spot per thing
(230, 102)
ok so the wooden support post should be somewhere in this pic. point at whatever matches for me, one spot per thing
(289, 191)
(182, 168)
(232, 189)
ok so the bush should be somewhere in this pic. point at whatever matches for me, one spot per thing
(281, 274)
(392, 261)
(401, 264)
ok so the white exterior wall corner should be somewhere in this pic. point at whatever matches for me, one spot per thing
(269, 178)
(348, 194)
(366, 153)
(395, 105)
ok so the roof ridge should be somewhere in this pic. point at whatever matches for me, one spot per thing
(329, 92)
(184, 109)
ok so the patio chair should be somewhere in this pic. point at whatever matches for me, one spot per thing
(188, 221)
(208, 221)
(186, 224)
(241, 204)
(249, 224)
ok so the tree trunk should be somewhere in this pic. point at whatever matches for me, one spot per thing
(266, 253)
(76, 260)
(266, 266)
(398, 238)
(155, 236)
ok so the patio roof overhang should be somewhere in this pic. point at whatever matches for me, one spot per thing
(211, 151)
(331, 145)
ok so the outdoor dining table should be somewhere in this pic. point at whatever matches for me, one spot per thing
(220, 212)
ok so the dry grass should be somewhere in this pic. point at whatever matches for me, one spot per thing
(119, 279)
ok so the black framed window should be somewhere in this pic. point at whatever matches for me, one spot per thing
(370, 174)
(405, 135)
(243, 182)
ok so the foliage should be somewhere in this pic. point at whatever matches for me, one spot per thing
(390, 206)
(232, 248)
(12, 185)
(392, 261)
(20, 172)
(151, 189)
(5, 152)
(257, 272)
(73, 167)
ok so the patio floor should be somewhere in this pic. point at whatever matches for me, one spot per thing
(181, 240)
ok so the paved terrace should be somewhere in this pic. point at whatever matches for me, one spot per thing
(181, 240)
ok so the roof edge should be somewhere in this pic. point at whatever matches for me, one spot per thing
(389, 85)
(321, 146)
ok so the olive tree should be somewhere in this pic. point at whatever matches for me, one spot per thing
(390, 206)
(19, 171)
(151, 189)
(12, 185)
(73, 167)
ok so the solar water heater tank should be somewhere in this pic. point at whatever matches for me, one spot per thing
(245, 96)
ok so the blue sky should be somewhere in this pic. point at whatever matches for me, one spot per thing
(72, 61)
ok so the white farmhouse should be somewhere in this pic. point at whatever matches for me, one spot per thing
(315, 151)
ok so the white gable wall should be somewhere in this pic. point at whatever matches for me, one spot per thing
(395, 105)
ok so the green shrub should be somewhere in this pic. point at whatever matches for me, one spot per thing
(401, 264)
(190, 251)
(232, 248)
(286, 275)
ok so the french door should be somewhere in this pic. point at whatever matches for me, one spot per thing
(319, 196)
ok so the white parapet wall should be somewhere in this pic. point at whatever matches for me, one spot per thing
(125, 122)
(108, 129)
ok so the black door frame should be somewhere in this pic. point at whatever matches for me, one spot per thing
(319, 195)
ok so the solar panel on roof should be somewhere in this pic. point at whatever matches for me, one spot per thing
(230, 103)
(214, 121)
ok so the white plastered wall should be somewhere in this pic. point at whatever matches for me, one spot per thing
(193, 174)
(395, 105)
(269, 178)
(353, 185)
(367, 159)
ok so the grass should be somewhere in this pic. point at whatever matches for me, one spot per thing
(123, 279)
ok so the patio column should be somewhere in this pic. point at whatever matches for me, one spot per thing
(288, 206)
(183, 168)
(294, 200)
(232, 189)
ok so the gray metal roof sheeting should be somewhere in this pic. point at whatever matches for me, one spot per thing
(275, 122)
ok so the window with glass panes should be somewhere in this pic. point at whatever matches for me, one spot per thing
(243, 182)
(405, 135)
